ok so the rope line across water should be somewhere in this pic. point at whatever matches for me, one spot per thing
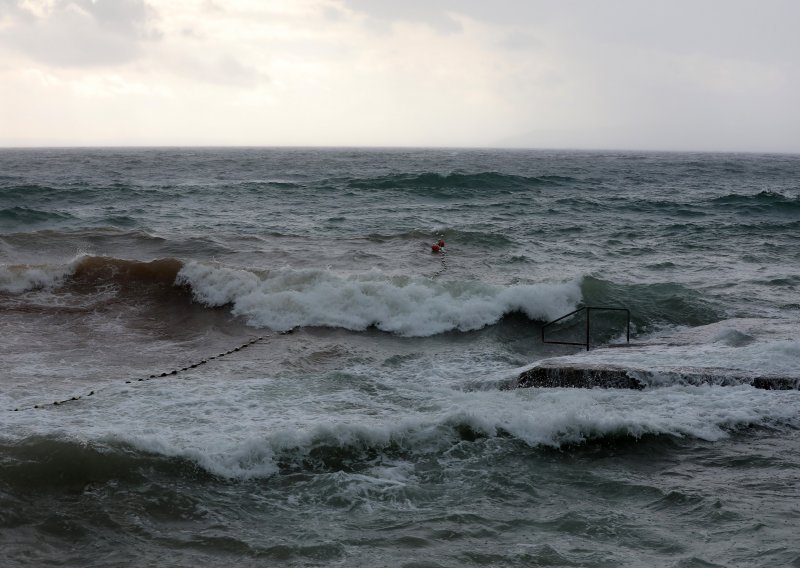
(154, 376)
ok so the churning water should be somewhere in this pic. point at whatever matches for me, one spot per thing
(365, 424)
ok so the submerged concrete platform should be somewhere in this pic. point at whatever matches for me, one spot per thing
(761, 352)
(612, 377)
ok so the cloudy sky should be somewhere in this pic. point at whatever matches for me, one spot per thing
(622, 74)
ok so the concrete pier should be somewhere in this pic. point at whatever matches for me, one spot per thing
(552, 375)
(759, 352)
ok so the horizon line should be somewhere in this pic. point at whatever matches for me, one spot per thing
(387, 147)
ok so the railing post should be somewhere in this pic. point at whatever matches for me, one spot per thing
(588, 340)
(628, 335)
(588, 315)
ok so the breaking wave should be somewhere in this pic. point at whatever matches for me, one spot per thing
(284, 298)
(763, 201)
(16, 279)
(658, 303)
(100, 270)
(412, 306)
(551, 419)
(86, 273)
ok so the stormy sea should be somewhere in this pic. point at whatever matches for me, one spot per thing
(255, 357)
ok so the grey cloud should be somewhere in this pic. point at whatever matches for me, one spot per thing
(333, 13)
(434, 13)
(233, 72)
(742, 29)
(80, 32)
(12, 9)
(130, 17)
(224, 70)
(519, 40)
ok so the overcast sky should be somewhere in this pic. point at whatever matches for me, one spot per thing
(621, 74)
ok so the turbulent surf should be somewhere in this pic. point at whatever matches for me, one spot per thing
(256, 357)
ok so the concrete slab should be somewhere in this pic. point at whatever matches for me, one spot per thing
(598, 376)
(763, 353)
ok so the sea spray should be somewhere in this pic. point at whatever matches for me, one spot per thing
(284, 298)
(377, 434)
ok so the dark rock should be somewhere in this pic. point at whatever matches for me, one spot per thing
(776, 383)
(578, 377)
(611, 377)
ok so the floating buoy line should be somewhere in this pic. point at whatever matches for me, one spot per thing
(436, 248)
(165, 374)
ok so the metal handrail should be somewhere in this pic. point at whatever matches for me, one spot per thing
(588, 321)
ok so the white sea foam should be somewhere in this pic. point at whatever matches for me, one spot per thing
(22, 278)
(248, 419)
(253, 428)
(737, 347)
(286, 298)
(551, 418)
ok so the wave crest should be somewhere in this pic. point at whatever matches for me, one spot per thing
(27, 215)
(453, 184)
(485, 423)
(283, 299)
(16, 279)
(99, 270)
(86, 273)
(763, 201)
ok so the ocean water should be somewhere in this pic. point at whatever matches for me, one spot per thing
(270, 366)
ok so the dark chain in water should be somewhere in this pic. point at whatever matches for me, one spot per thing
(442, 269)
(159, 376)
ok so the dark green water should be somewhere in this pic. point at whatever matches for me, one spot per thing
(377, 434)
